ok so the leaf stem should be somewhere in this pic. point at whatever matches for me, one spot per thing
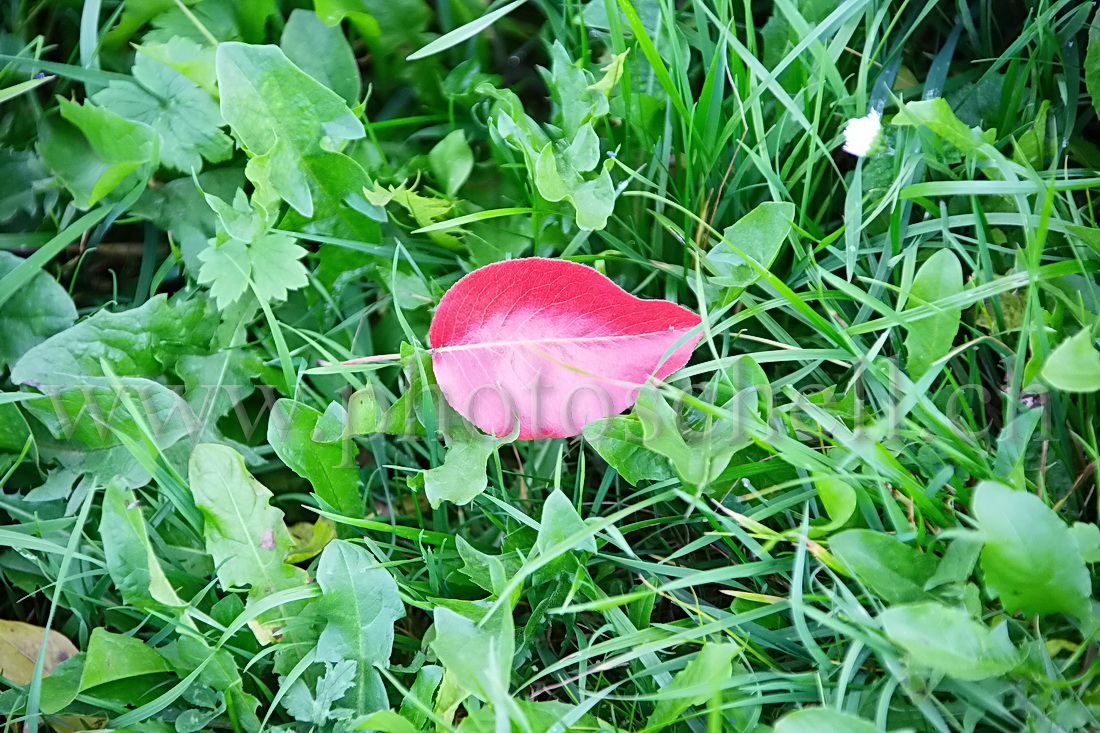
(367, 359)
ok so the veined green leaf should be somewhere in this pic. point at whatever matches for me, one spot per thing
(131, 562)
(327, 464)
(244, 534)
(930, 339)
(1030, 557)
(360, 604)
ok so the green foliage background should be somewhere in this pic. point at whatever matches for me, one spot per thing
(869, 503)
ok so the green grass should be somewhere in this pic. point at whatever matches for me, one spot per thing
(905, 535)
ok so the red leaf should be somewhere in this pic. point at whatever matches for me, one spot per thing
(552, 343)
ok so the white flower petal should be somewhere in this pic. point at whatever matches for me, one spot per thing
(861, 134)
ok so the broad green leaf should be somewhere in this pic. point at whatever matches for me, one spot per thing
(1092, 63)
(1074, 366)
(333, 12)
(329, 465)
(111, 657)
(332, 425)
(14, 432)
(823, 720)
(388, 23)
(244, 534)
(110, 134)
(409, 291)
(839, 499)
(195, 719)
(894, 571)
(96, 454)
(387, 721)
(700, 452)
(281, 116)
(1087, 536)
(451, 161)
(565, 169)
(554, 182)
(418, 700)
(759, 234)
(560, 521)
(131, 562)
(360, 605)
(462, 477)
(185, 116)
(63, 684)
(572, 88)
(1032, 146)
(93, 415)
(1030, 559)
(141, 342)
(947, 640)
(661, 434)
(191, 59)
(94, 412)
(958, 562)
(322, 51)
(695, 684)
(558, 180)
(747, 394)
(339, 209)
(59, 483)
(594, 201)
(619, 441)
(42, 309)
(1012, 445)
(1088, 235)
(477, 652)
(491, 572)
(583, 153)
(24, 178)
(367, 415)
(742, 389)
(937, 115)
(190, 651)
(510, 124)
(930, 338)
(92, 150)
(214, 383)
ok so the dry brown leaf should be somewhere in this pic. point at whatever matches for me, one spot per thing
(19, 644)
(73, 723)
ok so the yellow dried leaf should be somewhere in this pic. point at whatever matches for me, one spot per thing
(19, 645)
(310, 539)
